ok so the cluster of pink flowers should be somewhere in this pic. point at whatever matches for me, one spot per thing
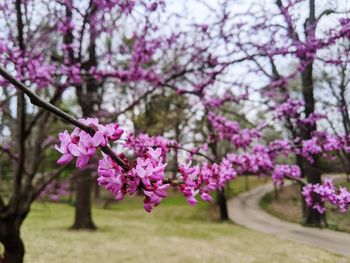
(322, 143)
(148, 174)
(32, 67)
(326, 192)
(82, 145)
(231, 130)
(141, 142)
(39, 72)
(72, 72)
(217, 102)
(289, 109)
(205, 179)
(280, 172)
(189, 188)
(126, 6)
(311, 119)
(257, 162)
(55, 190)
(280, 147)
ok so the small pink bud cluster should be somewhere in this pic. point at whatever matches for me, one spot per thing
(82, 145)
(326, 192)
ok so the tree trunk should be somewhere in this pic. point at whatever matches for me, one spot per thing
(13, 244)
(310, 171)
(83, 211)
(221, 197)
(97, 191)
(222, 203)
(90, 98)
(311, 216)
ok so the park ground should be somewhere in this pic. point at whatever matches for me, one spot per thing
(173, 232)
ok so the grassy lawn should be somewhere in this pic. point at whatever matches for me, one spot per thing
(288, 207)
(174, 232)
(245, 183)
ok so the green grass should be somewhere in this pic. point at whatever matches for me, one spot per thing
(244, 183)
(288, 207)
(173, 232)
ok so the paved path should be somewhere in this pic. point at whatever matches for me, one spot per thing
(245, 210)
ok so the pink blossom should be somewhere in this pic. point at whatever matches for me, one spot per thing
(82, 145)
(148, 174)
(288, 109)
(281, 171)
(326, 192)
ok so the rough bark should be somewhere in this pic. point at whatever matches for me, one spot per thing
(222, 203)
(97, 192)
(11, 217)
(310, 171)
(11, 239)
(221, 197)
(313, 175)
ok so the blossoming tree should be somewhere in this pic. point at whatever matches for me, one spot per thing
(196, 63)
(294, 32)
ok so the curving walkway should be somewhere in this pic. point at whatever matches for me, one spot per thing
(245, 210)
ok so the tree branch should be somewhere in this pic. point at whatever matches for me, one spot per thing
(298, 180)
(134, 103)
(37, 101)
(40, 188)
(53, 100)
(21, 117)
